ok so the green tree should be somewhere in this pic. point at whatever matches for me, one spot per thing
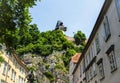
(67, 57)
(14, 14)
(1, 60)
(79, 38)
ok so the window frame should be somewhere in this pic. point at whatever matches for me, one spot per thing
(106, 28)
(100, 64)
(111, 56)
(80, 70)
(97, 44)
(2, 81)
(5, 68)
(118, 8)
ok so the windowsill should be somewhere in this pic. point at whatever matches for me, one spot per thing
(107, 37)
(98, 51)
(113, 70)
(102, 78)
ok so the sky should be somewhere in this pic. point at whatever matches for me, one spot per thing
(76, 15)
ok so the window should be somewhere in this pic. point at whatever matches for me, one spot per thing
(13, 75)
(19, 79)
(8, 69)
(101, 69)
(89, 56)
(97, 42)
(5, 68)
(106, 28)
(111, 58)
(87, 75)
(83, 65)
(2, 81)
(86, 61)
(118, 7)
(94, 69)
(91, 52)
(90, 72)
(80, 70)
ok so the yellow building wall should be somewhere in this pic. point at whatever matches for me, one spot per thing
(14, 65)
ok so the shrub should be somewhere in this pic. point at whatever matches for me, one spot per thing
(58, 66)
(1, 60)
(49, 75)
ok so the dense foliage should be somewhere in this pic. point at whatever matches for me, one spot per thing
(42, 43)
(67, 57)
(14, 15)
(49, 75)
(80, 38)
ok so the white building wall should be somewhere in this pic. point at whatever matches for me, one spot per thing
(109, 77)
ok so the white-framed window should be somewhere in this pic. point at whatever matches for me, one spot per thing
(88, 58)
(5, 68)
(89, 54)
(111, 57)
(87, 75)
(8, 68)
(101, 69)
(80, 70)
(90, 72)
(86, 61)
(83, 64)
(13, 75)
(106, 28)
(2, 81)
(94, 69)
(19, 79)
(118, 7)
(97, 42)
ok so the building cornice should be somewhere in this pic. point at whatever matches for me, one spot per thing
(20, 62)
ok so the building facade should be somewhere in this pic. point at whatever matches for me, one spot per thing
(100, 60)
(13, 70)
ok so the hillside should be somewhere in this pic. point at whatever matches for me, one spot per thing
(46, 53)
(48, 70)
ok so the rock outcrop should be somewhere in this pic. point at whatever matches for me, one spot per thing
(48, 69)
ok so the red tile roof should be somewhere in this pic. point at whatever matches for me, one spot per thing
(76, 57)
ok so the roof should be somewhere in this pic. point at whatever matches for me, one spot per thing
(75, 58)
(95, 29)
